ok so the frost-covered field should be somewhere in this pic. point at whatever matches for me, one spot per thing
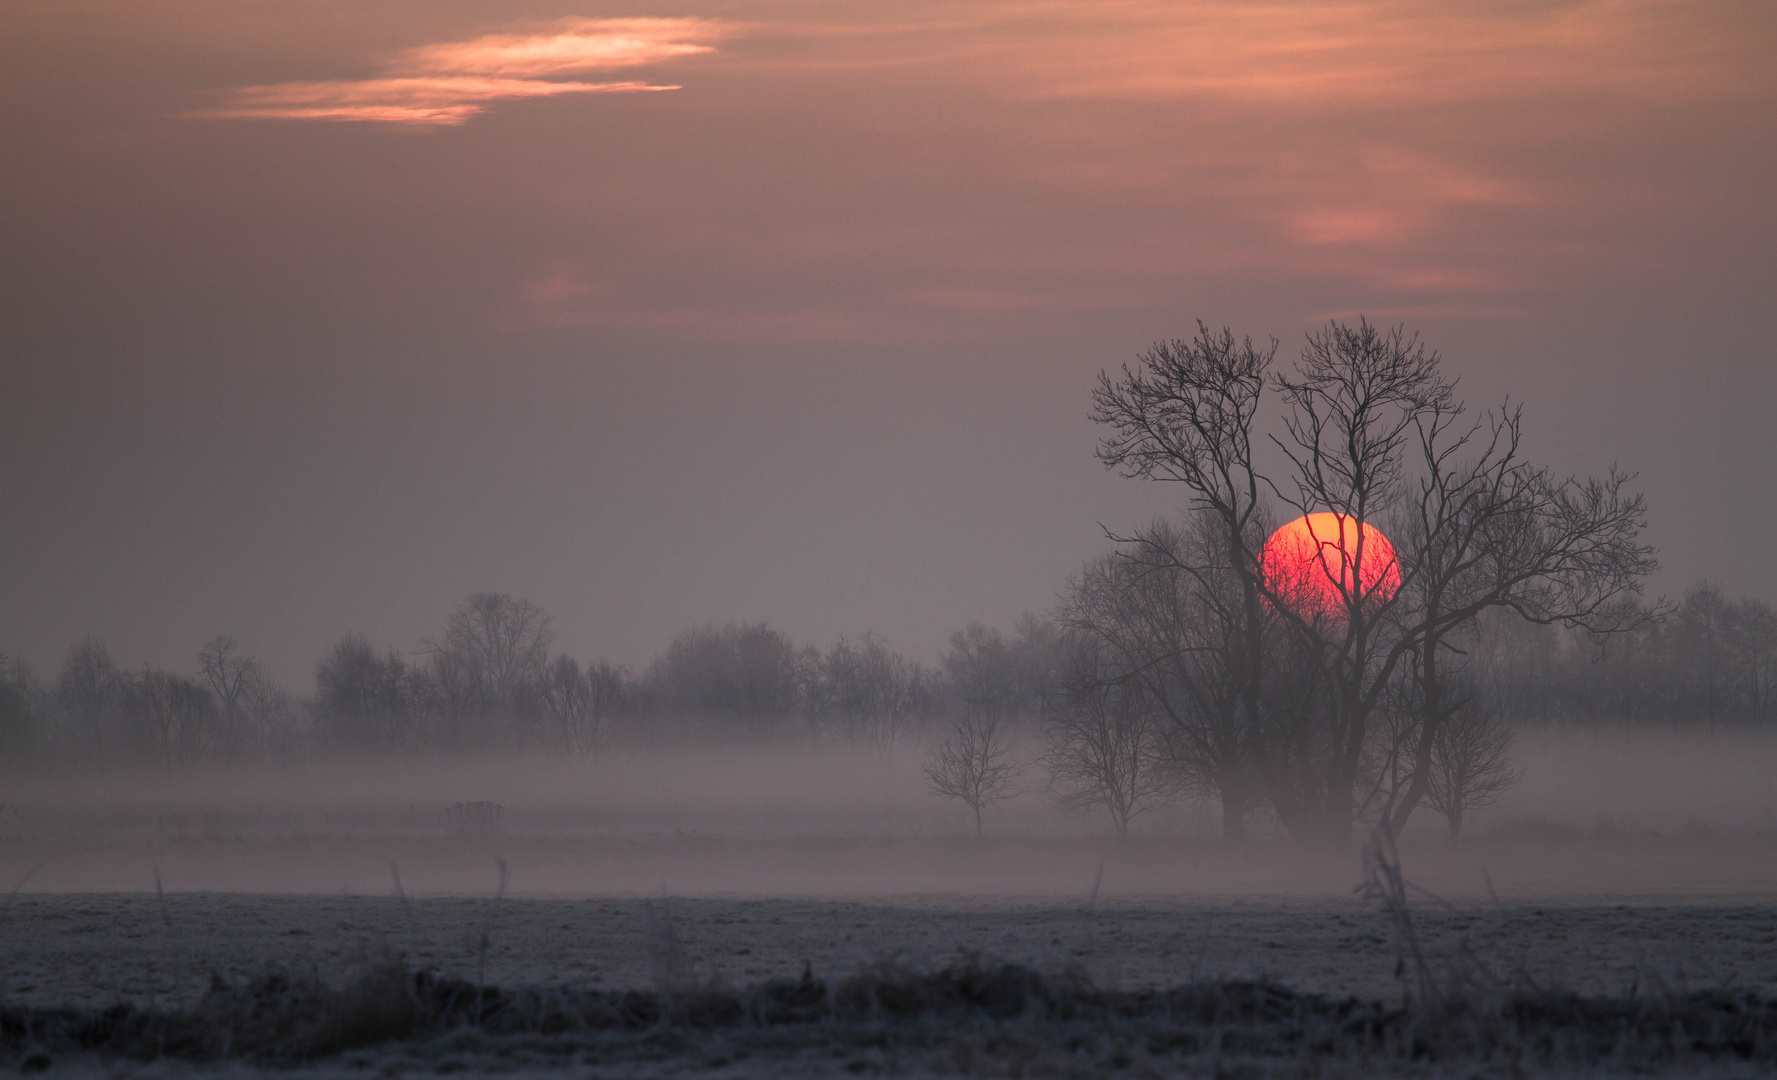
(619, 896)
(1632, 918)
(96, 949)
(171, 952)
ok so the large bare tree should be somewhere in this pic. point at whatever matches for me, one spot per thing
(1485, 529)
(1372, 432)
(1353, 405)
(1186, 414)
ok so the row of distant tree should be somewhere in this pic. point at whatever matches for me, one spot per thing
(1125, 738)
(1708, 660)
(492, 680)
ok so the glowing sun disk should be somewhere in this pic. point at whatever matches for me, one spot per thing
(1313, 563)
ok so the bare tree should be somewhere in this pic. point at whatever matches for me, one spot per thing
(1354, 404)
(448, 692)
(1485, 531)
(88, 697)
(230, 677)
(1103, 737)
(984, 668)
(20, 713)
(272, 716)
(363, 698)
(581, 704)
(1186, 415)
(865, 692)
(1470, 761)
(501, 643)
(1168, 611)
(174, 718)
(1366, 410)
(975, 763)
(738, 672)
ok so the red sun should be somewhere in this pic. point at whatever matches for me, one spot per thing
(1310, 563)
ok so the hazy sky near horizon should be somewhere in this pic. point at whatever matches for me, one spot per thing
(318, 316)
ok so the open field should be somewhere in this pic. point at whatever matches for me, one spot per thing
(155, 891)
(1659, 919)
(95, 949)
(636, 978)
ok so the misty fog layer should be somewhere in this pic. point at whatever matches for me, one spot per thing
(1621, 813)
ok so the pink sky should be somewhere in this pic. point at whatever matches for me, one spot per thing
(319, 316)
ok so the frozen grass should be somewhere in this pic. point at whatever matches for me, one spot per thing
(974, 1016)
(1452, 1012)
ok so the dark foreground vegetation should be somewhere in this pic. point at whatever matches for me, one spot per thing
(973, 1016)
(1453, 1009)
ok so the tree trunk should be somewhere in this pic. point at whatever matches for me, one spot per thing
(1430, 717)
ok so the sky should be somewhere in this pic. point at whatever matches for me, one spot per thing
(317, 317)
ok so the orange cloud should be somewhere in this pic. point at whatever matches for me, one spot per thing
(423, 101)
(450, 82)
(575, 45)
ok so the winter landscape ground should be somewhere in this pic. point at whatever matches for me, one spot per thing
(792, 920)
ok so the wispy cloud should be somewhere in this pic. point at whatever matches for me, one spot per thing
(1335, 53)
(415, 100)
(568, 46)
(447, 83)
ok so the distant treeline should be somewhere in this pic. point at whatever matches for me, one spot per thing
(1708, 661)
(492, 681)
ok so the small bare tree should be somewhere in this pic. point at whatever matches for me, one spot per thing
(975, 763)
(1104, 739)
(1470, 766)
